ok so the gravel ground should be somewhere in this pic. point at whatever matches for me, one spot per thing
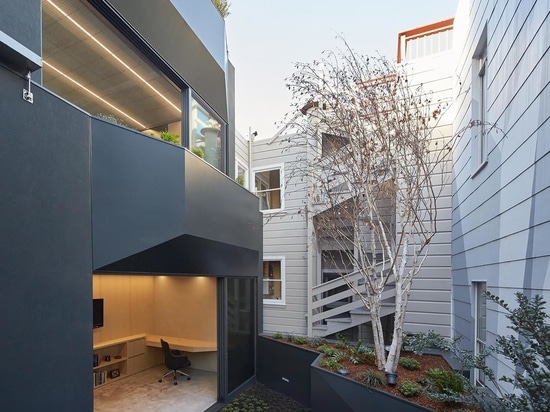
(260, 398)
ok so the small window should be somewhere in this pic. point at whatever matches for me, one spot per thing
(480, 326)
(269, 188)
(274, 280)
(241, 174)
(482, 109)
(479, 105)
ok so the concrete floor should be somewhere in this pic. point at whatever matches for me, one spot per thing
(143, 392)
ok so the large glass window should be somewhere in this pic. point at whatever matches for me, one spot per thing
(269, 188)
(207, 135)
(241, 331)
(480, 326)
(274, 280)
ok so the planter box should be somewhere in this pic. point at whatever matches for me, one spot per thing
(285, 368)
(294, 371)
(332, 392)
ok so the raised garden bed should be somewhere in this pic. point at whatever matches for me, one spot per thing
(287, 367)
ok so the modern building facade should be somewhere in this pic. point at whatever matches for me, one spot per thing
(117, 142)
(500, 224)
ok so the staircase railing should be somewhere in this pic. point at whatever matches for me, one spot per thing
(325, 304)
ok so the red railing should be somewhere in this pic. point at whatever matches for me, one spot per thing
(424, 41)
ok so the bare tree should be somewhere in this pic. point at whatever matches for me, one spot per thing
(375, 165)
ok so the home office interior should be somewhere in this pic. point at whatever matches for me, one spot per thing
(139, 310)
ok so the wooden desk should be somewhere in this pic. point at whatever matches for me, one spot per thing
(183, 344)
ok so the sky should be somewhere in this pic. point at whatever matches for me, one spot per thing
(266, 37)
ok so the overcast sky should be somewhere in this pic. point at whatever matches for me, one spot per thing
(265, 38)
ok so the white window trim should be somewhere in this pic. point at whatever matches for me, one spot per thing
(475, 289)
(281, 168)
(276, 302)
(480, 149)
(243, 166)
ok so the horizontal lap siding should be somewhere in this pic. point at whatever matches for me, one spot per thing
(285, 234)
(501, 218)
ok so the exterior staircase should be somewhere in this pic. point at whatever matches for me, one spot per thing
(333, 310)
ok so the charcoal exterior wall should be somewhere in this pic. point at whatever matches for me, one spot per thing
(285, 368)
(45, 252)
(57, 162)
(159, 209)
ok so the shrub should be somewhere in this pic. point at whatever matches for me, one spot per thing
(170, 137)
(420, 342)
(372, 378)
(409, 388)
(445, 385)
(342, 341)
(360, 353)
(327, 350)
(246, 403)
(331, 363)
(301, 340)
(409, 363)
(317, 341)
(446, 381)
(277, 335)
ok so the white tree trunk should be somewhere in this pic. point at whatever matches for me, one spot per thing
(377, 331)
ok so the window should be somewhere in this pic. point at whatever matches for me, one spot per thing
(241, 174)
(274, 280)
(482, 109)
(480, 325)
(479, 105)
(269, 188)
(207, 135)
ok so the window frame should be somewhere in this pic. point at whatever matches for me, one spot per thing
(480, 320)
(258, 170)
(281, 260)
(242, 165)
(479, 141)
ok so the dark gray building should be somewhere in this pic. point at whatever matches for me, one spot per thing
(106, 109)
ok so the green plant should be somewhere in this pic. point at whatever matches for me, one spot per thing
(316, 342)
(328, 362)
(326, 349)
(446, 380)
(240, 180)
(420, 342)
(246, 403)
(300, 340)
(277, 335)
(360, 354)
(409, 363)
(371, 378)
(170, 137)
(409, 388)
(342, 341)
(198, 151)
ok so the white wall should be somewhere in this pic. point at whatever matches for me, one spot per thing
(501, 218)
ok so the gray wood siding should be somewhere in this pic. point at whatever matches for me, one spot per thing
(500, 217)
(285, 234)
(429, 305)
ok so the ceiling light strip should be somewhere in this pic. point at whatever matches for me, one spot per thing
(112, 106)
(114, 56)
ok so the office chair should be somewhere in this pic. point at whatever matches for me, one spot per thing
(174, 361)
